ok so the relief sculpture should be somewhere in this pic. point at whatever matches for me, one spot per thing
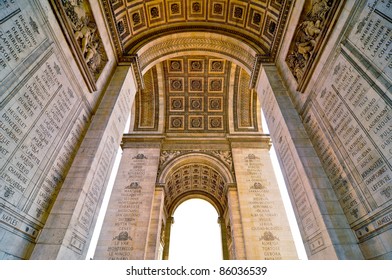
(82, 33)
(86, 34)
(310, 33)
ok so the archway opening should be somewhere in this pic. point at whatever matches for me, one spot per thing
(195, 233)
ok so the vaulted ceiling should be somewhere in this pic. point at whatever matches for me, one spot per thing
(258, 23)
(200, 55)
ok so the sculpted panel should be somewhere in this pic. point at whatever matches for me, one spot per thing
(82, 33)
(316, 21)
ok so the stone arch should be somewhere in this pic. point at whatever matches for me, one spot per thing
(195, 175)
(197, 43)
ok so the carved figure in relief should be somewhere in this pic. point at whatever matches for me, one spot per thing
(123, 236)
(85, 34)
(308, 34)
(305, 48)
(311, 28)
(268, 236)
(320, 8)
(225, 156)
(167, 156)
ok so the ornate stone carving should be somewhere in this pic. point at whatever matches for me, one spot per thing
(224, 156)
(81, 30)
(195, 177)
(197, 43)
(122, 236)
(133, 185)
(268, 236)
(140, 156)
(315, 22)
(196, 99)
(167, 156)
(147, 104)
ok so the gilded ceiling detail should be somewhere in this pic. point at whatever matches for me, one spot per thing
(259, 23)
(196, 94)
(195, 178)
(147, 103)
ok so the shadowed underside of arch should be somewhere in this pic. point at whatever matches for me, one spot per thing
(195, 175)
(258, 23)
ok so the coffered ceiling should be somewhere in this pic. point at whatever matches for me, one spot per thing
(200, 56)
(257, 23)
(200, 93)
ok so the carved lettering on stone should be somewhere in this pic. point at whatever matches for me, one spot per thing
(360, 118)
(20, 35)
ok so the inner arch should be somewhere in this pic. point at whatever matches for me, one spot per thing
(197, 43)
(195, 179)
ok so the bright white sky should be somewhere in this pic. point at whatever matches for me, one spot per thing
(195, 233)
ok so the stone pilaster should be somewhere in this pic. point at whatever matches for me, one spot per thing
(156, 224)
(130, 214)
(323, 225)
(166, 249)
(267, 234)
(237, 250)
(225, 252)
(69, 228)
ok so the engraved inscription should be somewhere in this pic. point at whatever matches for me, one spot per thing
(372, 34)
(362, 123)
(41, 110)
(20, 35)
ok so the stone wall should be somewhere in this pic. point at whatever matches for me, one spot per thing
(125, 230)
(346, 112)
(267, 234)
(45, 111)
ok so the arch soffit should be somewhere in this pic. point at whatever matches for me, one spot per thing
(195, 158)
(196, 43)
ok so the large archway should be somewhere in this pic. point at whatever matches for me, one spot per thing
(196, 175)
(196, 233)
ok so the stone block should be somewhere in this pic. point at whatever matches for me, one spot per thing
(46, 252)
(372, 248)
(16, 246)
(58, 221)
(53, 236)
(386, 239)
(328, 207)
